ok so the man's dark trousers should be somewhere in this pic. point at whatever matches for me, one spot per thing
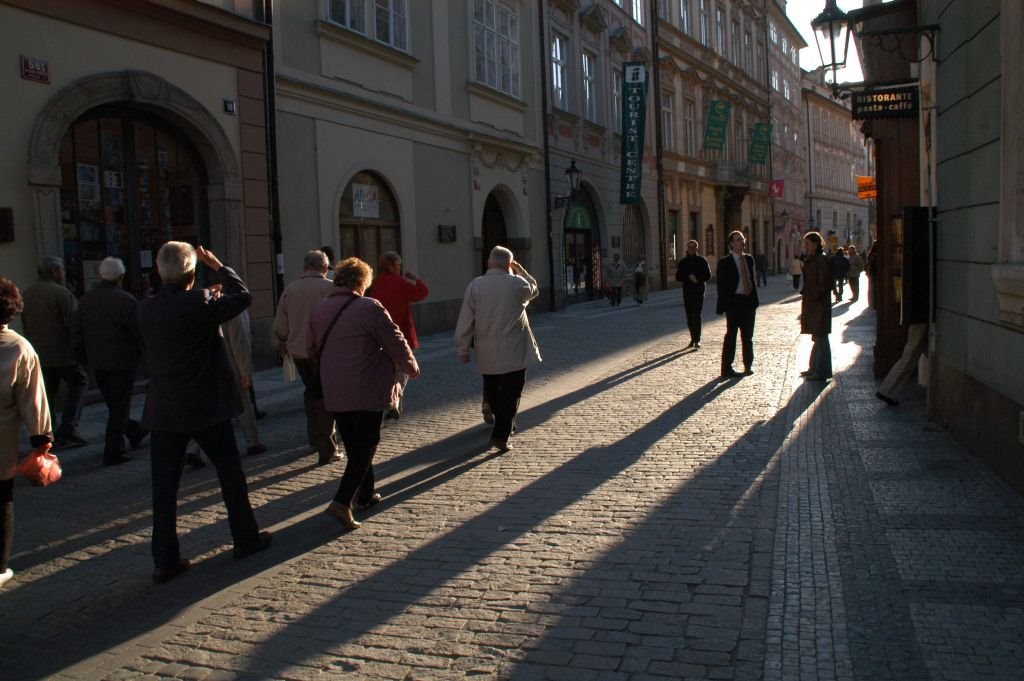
(77, 380)
(319, 421)
(693, 303)
(503, 392)
(116, 388)
(167, 452)
(739, 317)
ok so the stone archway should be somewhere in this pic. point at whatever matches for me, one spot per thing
(150, 93)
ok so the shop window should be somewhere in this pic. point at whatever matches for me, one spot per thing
(385, 21)
(496, 46)
(368, 219)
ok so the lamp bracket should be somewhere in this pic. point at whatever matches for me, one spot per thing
(880, 39)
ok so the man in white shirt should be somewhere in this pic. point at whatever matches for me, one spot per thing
(737, 300)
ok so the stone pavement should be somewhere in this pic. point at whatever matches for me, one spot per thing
(653, 522)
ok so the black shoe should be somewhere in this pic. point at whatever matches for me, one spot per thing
(888, 400)
(195, 459)
(116, 459)
(136, 437)
(748, 372)
(730, 373)
(257, 448)
(66, 436)
(807, 373)
(501, 445)
(696, 345)
(261, 542)
(166, 574)
(331, 458)
(260, 415)
(374, 500)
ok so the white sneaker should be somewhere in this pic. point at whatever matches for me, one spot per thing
(6, 576)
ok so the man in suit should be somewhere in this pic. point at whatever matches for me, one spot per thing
(737, 300)
(694, 272)
(493, 321)
(193, 394)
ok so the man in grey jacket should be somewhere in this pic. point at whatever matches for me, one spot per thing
(493, 321)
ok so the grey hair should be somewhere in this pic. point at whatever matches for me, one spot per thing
(315, 260)
(175, 261)
(111, 269)
(501, 256)
(50, 264)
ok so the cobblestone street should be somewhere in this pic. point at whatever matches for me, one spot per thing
(653, 521)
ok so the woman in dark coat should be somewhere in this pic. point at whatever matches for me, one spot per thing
(816, 308)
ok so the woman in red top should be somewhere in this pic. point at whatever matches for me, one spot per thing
(396, 291)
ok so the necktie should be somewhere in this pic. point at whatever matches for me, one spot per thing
(745, 273)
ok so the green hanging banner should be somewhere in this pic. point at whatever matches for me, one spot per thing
(634, 112)
(717, 125)
(760, 142)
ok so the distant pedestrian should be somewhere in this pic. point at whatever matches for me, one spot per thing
(361, 353)
(105, 336)
(49, 308)
(904, 368)
(22, 401)
(616, 279)
(872, 269)
(493, 321)
(396, 292)
(762, 268)
(329, 252)
(856, 268)
(694, 272)
(238, 338)
(640, 280)
(840, 267)
(193, 394)
(796, 268)
(290, 325)
(815, 308)
(737, 300)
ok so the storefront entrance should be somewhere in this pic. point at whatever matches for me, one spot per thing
(492, 229)
(129, 183)
(583, 268)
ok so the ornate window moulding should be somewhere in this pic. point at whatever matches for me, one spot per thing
(593, 17)
(620, 40)
(567, 6)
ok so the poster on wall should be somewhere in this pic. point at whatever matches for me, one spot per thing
(365, 201)
(717, 127)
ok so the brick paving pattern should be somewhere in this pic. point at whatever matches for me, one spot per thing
(653, 522)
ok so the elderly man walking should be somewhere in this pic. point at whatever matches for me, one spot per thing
(493, 321)
(290, 324)
(49, 307)
(105, 335)
(193, 394)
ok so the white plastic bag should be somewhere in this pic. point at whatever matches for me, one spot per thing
(288, 369)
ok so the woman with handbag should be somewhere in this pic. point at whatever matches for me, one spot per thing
(815, 308)
(361, 354)
(22, 399)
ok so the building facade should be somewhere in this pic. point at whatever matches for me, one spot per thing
(130, 124)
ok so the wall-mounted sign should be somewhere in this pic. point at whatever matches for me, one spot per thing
(717, 126)
(634, 113)
(36, 70)
(365, 201)
(776, 188)
(759, 143)
(446, 234)
(898, 102)
(866, 187)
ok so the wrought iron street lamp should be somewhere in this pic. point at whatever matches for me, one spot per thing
(572, 178)
(832, 34)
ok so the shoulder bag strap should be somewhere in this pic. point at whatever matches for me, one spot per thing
(320, 347)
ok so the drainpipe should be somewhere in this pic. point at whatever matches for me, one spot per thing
(270, 113)
(658, 142)
(543, 42)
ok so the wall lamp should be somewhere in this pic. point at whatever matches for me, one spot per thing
(572, 177)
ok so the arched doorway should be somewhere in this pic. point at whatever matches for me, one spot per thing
(634, 241)
(129, 183)
(492, 229)
(582, 247)
(368, 220)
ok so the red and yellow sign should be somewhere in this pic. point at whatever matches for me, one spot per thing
(866, 187)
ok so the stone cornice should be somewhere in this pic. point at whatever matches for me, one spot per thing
(594, 18)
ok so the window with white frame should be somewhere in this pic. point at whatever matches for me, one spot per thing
(663, 11)
(775, 79)
(638, 11)
(385, 21)
(785, 89)
(748, 53)
(560, 71)
(684, 17)
(773, 33)
(589, 64)
(720, 30)
(617, 98)
(737, 55)
(785, 45)
(690, 121)
(793, 55)
(496, 38)
(668, 134)
(705, 29)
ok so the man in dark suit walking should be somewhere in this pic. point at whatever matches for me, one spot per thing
(737, 299)
(694, 273)
(192, 395)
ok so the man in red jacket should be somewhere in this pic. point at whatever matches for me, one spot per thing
(396, 291)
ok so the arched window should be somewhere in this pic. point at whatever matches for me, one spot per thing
(368, 219)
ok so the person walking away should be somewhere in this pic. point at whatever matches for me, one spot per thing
(361, 353)
(289, 329)
(762, 269)
(105, 335)
(815, 308)
(193, 394)
(640, 280)
(396, 292)
(694, 272)
(840, 270)
(22, 401)
(856, 268)
(616, 279)
(493, 321)
(796, 268)
(737, 300)
(239, 343)
(872, 265)
(49, 308)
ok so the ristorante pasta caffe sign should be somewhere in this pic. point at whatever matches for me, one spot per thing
(892, 103)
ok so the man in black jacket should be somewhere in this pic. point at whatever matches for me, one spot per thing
(105, 336)
(192, 395)
(737, 299)
(694, 272)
